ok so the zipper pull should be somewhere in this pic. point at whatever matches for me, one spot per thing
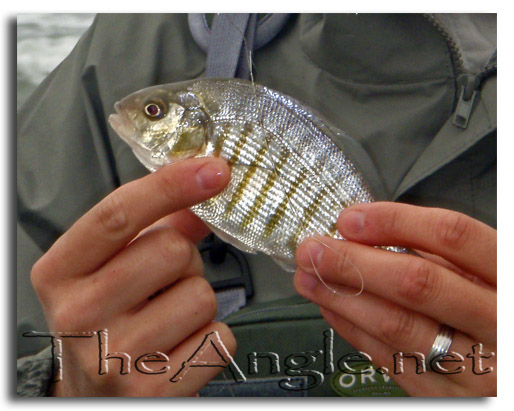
(468, 91)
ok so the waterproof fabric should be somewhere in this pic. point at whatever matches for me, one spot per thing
(387, 80)
(474, 34)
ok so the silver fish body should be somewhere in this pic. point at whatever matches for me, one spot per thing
(290, 180)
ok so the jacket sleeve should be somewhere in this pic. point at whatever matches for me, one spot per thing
(35, 374)
(63, 167)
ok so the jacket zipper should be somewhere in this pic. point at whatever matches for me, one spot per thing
(467, 84)
(455, 53)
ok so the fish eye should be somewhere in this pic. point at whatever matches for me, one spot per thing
(154, 110)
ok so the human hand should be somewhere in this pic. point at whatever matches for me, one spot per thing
(100, 274)
(406, 297)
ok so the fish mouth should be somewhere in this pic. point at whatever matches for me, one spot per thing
(122, 125)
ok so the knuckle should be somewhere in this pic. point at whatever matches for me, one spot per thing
(111, 214)
(64, 317)
(417, 281)
(196, 265)
(398, 326)
(331, 300)
(350, 329)
(203, 294)
(41, 276)
(38, 275)
(452, 230)
(169, 186)
(392, 221)
(175, 248)
(74, 314)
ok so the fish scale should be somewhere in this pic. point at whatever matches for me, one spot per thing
(290, 180)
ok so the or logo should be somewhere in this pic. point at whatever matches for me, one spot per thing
(363, 380)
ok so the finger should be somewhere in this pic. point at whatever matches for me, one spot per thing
(189, 225)
(212, 346)
(426, 384)
(442, 262)
(185, 222)
(175, 314)
(117, 219)
(153, 261)
(408, 281)
(458, 238)
(452, 267)
(399, 328)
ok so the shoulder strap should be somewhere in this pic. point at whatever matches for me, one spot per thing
(231, 37)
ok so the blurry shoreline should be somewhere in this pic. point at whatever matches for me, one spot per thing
(43, 41)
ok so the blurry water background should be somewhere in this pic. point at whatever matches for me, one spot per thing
(43, 41)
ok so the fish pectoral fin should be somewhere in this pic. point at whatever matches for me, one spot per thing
(285, 263)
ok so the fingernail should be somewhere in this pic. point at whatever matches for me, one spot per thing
(210, 175)
(311, 253)
(352, 222)
(306, 281)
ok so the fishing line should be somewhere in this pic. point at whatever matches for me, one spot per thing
(345, 261)
(249, 58)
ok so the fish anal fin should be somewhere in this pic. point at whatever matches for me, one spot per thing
(286, 264)
(231, 240)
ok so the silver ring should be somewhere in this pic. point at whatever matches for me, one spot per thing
(441, 344)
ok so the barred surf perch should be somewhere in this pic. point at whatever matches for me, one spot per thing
(289, 179)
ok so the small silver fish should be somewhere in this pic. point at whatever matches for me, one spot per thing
(290, 180)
